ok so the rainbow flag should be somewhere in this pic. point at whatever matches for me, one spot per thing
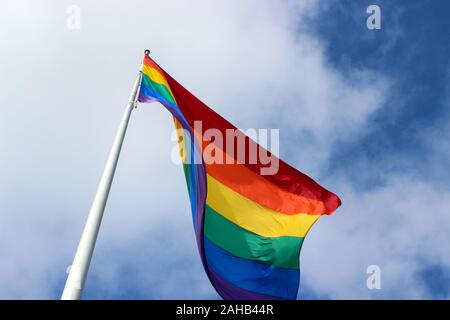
(249, 227)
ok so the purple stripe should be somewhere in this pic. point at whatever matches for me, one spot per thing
(147, 99)
(229, 291)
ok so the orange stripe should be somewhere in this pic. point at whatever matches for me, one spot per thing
(255, 187)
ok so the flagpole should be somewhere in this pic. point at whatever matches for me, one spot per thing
(80, 266)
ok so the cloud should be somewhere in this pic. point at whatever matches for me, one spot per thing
(400, 226)
(255, 63)
(400, 223)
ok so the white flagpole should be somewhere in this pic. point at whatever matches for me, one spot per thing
(79, 269)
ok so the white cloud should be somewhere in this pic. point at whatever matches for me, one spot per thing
(402, 226)
(63, 92)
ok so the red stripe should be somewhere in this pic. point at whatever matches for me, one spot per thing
(287, 177)
(255, 187)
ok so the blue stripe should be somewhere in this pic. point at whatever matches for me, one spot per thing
(148, 91)
(252, 275)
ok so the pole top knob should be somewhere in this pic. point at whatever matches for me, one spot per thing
(147, 52)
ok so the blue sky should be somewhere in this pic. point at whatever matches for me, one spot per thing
(364, 112)
(413, 49)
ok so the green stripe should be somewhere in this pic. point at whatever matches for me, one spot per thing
(279, 251)
(185, 165)
(158, 87)
(186, 174)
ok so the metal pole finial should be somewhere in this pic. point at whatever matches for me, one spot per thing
(147, 52)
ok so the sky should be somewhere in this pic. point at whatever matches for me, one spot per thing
(364, 112)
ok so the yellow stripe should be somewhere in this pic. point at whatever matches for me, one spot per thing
(181, 140)
(254, 217)
(156, 76)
